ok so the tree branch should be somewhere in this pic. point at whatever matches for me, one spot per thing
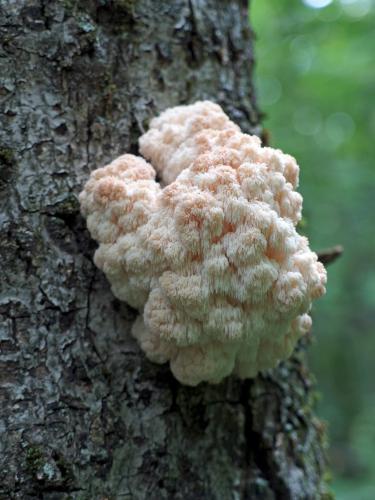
(330, 255)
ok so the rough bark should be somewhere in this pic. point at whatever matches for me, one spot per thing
(83, 414)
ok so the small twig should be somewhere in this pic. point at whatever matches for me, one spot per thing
(330, 255)
(265, 137)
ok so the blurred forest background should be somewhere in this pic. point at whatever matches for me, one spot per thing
(315, 78)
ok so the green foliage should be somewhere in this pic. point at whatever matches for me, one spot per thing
(315, 82)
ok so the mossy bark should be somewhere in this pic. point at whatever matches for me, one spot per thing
(83, 414)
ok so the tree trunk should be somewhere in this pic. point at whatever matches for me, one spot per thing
(83, 414)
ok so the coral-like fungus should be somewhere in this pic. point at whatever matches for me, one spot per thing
(213, 261)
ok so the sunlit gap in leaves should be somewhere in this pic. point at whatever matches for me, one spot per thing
(354, 8)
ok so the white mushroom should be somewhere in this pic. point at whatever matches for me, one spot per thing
(213, 261)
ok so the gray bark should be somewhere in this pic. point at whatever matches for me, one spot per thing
(83, 414)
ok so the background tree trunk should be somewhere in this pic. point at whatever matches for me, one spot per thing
(83, 414)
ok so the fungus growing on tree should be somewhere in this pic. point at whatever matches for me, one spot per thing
(212, 261)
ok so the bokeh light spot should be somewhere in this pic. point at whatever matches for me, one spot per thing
(269, 91)
(356, 8)
(317, 4)
(339, 127)
(307, 120)
(303, 52)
